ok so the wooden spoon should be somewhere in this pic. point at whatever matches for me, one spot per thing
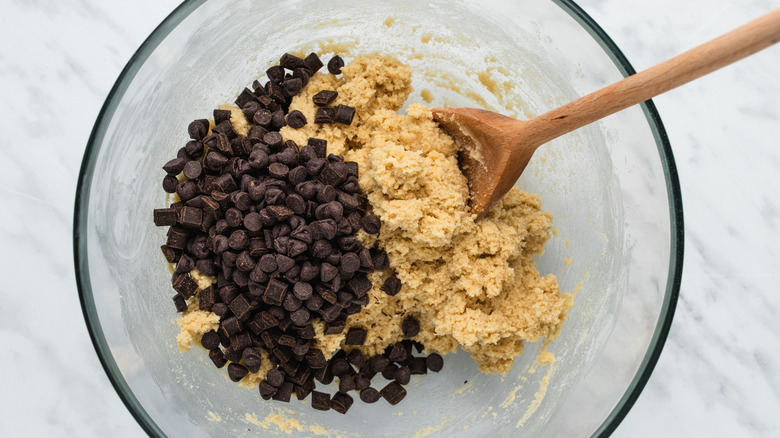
(498, 147)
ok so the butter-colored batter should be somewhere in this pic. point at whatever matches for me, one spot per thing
(472, 284)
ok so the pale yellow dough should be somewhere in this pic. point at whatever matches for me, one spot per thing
(472, 284)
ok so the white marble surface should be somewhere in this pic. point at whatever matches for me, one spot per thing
(719, 374)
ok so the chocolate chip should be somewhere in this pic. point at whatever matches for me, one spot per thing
(397, 353)
(300, 317)
(393, 393)
(296, 119)
(371, 224)
(320, 401)
(324, 115)
(180, 303)
(273, 139)
(411, 327)
(392, 285)
(389, 370)
(339, 367)
(210, 340)
(344, 114)
(278, 170)
(238, 239)
(346, 383)
(350, 262)
(324, 97)
(197, 129)
(267, 390)
(434, 362)
(341, 402)
(245, 96)
(402, 375)
(314, 303)
(252, 359)
(369, 395)
(187, 190)
(378, 363)
(275, 73)
(355, 336)
(274, 377)
(236, 372)
(335, 64)
(170, 183)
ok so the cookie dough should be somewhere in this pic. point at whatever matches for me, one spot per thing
(469, 283)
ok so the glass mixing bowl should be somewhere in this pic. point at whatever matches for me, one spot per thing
(612, 187)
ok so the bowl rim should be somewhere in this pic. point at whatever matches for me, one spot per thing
(181, 12)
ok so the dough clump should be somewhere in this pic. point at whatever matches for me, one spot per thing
(470, 283)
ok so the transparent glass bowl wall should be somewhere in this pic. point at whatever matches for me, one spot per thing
(611, 187)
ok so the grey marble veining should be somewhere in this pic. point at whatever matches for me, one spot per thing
(719, 374)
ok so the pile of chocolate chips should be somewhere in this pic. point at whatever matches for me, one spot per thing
(276, 223)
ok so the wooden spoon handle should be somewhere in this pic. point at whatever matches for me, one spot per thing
(699, 61)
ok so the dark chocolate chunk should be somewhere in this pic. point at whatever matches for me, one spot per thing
(217, 357)
(296, 119)
(410, 326)
(165, 217)
(319, 145)
(418, 365)
(335, 327)
(240, 307)
(208, 297)
(380, 259)
(359, 285)
(245, 96)
(355, 336)
(313, 62)
(180, 303)
(275, 292)
(291, 62)
(393, 393)
(335, 64)
(324, 115)
(231, 325)
(369, 395)
(341, 402)
(280, 212)
(185, 285)
(392, 285)
(320, 401)
(434, 362)
(344, 114)
(222, 115)
(324, 97)
(316, 359)
(284, 392)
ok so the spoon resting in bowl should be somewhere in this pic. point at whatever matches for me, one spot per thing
(495, 149)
